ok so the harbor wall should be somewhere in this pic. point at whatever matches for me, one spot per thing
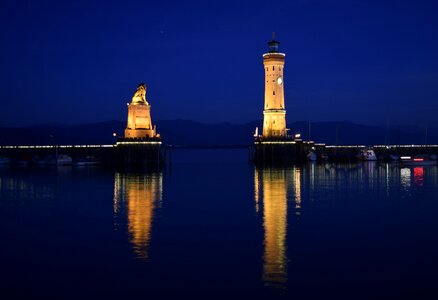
(119, 154)
(281, 151)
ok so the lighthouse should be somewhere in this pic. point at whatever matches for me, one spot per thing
(274, 113)
(274, 145)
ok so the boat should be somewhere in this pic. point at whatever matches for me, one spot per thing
(60, 160)
(367, 155)
(43, 162)
(25, 161)
(4, 160)
(311, 156)
(86, 161)
(419, 160)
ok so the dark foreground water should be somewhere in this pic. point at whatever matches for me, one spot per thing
(214, 226)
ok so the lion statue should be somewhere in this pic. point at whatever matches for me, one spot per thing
(140, 94)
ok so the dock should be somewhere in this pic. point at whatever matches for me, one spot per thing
(289, 150)
(124, 153)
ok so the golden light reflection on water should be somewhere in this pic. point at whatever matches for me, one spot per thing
(297, 187)
(274, 188)
(135, 198)
(271, 190)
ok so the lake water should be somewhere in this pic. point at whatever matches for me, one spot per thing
(214, 226)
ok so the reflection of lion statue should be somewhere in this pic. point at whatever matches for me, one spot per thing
(140, 94)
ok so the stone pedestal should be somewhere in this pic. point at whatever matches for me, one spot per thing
(139, 121)
(140, 152)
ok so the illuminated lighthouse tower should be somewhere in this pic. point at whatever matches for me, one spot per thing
(274, 144)
(274, 113)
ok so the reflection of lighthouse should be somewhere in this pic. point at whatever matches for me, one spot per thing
(137, 197)
(274, 184)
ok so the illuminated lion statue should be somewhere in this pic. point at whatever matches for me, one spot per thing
(140, 94)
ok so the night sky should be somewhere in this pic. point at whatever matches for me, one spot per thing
(80, 61)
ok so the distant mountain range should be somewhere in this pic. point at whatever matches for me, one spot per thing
(193, 134)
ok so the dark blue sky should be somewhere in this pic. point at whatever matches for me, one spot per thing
(80, 61)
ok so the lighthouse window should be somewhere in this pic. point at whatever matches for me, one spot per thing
(273, 93)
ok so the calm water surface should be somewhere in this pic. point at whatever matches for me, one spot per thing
(214, 226)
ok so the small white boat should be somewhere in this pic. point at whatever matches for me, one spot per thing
(367, 155)
(43, 162)
(25, 161)
(311, 156)
(4, 160)
(86, 161)
(60, 160)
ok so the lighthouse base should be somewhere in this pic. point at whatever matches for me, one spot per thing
(280, 151)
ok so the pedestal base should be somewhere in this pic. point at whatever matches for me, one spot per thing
(139, 133)
(138, 152)
(139, 121)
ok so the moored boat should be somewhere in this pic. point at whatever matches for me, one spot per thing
(367, 155)
(60, 160)
(25, 161)
(86, 161)
(4, 160)
(311, 156)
